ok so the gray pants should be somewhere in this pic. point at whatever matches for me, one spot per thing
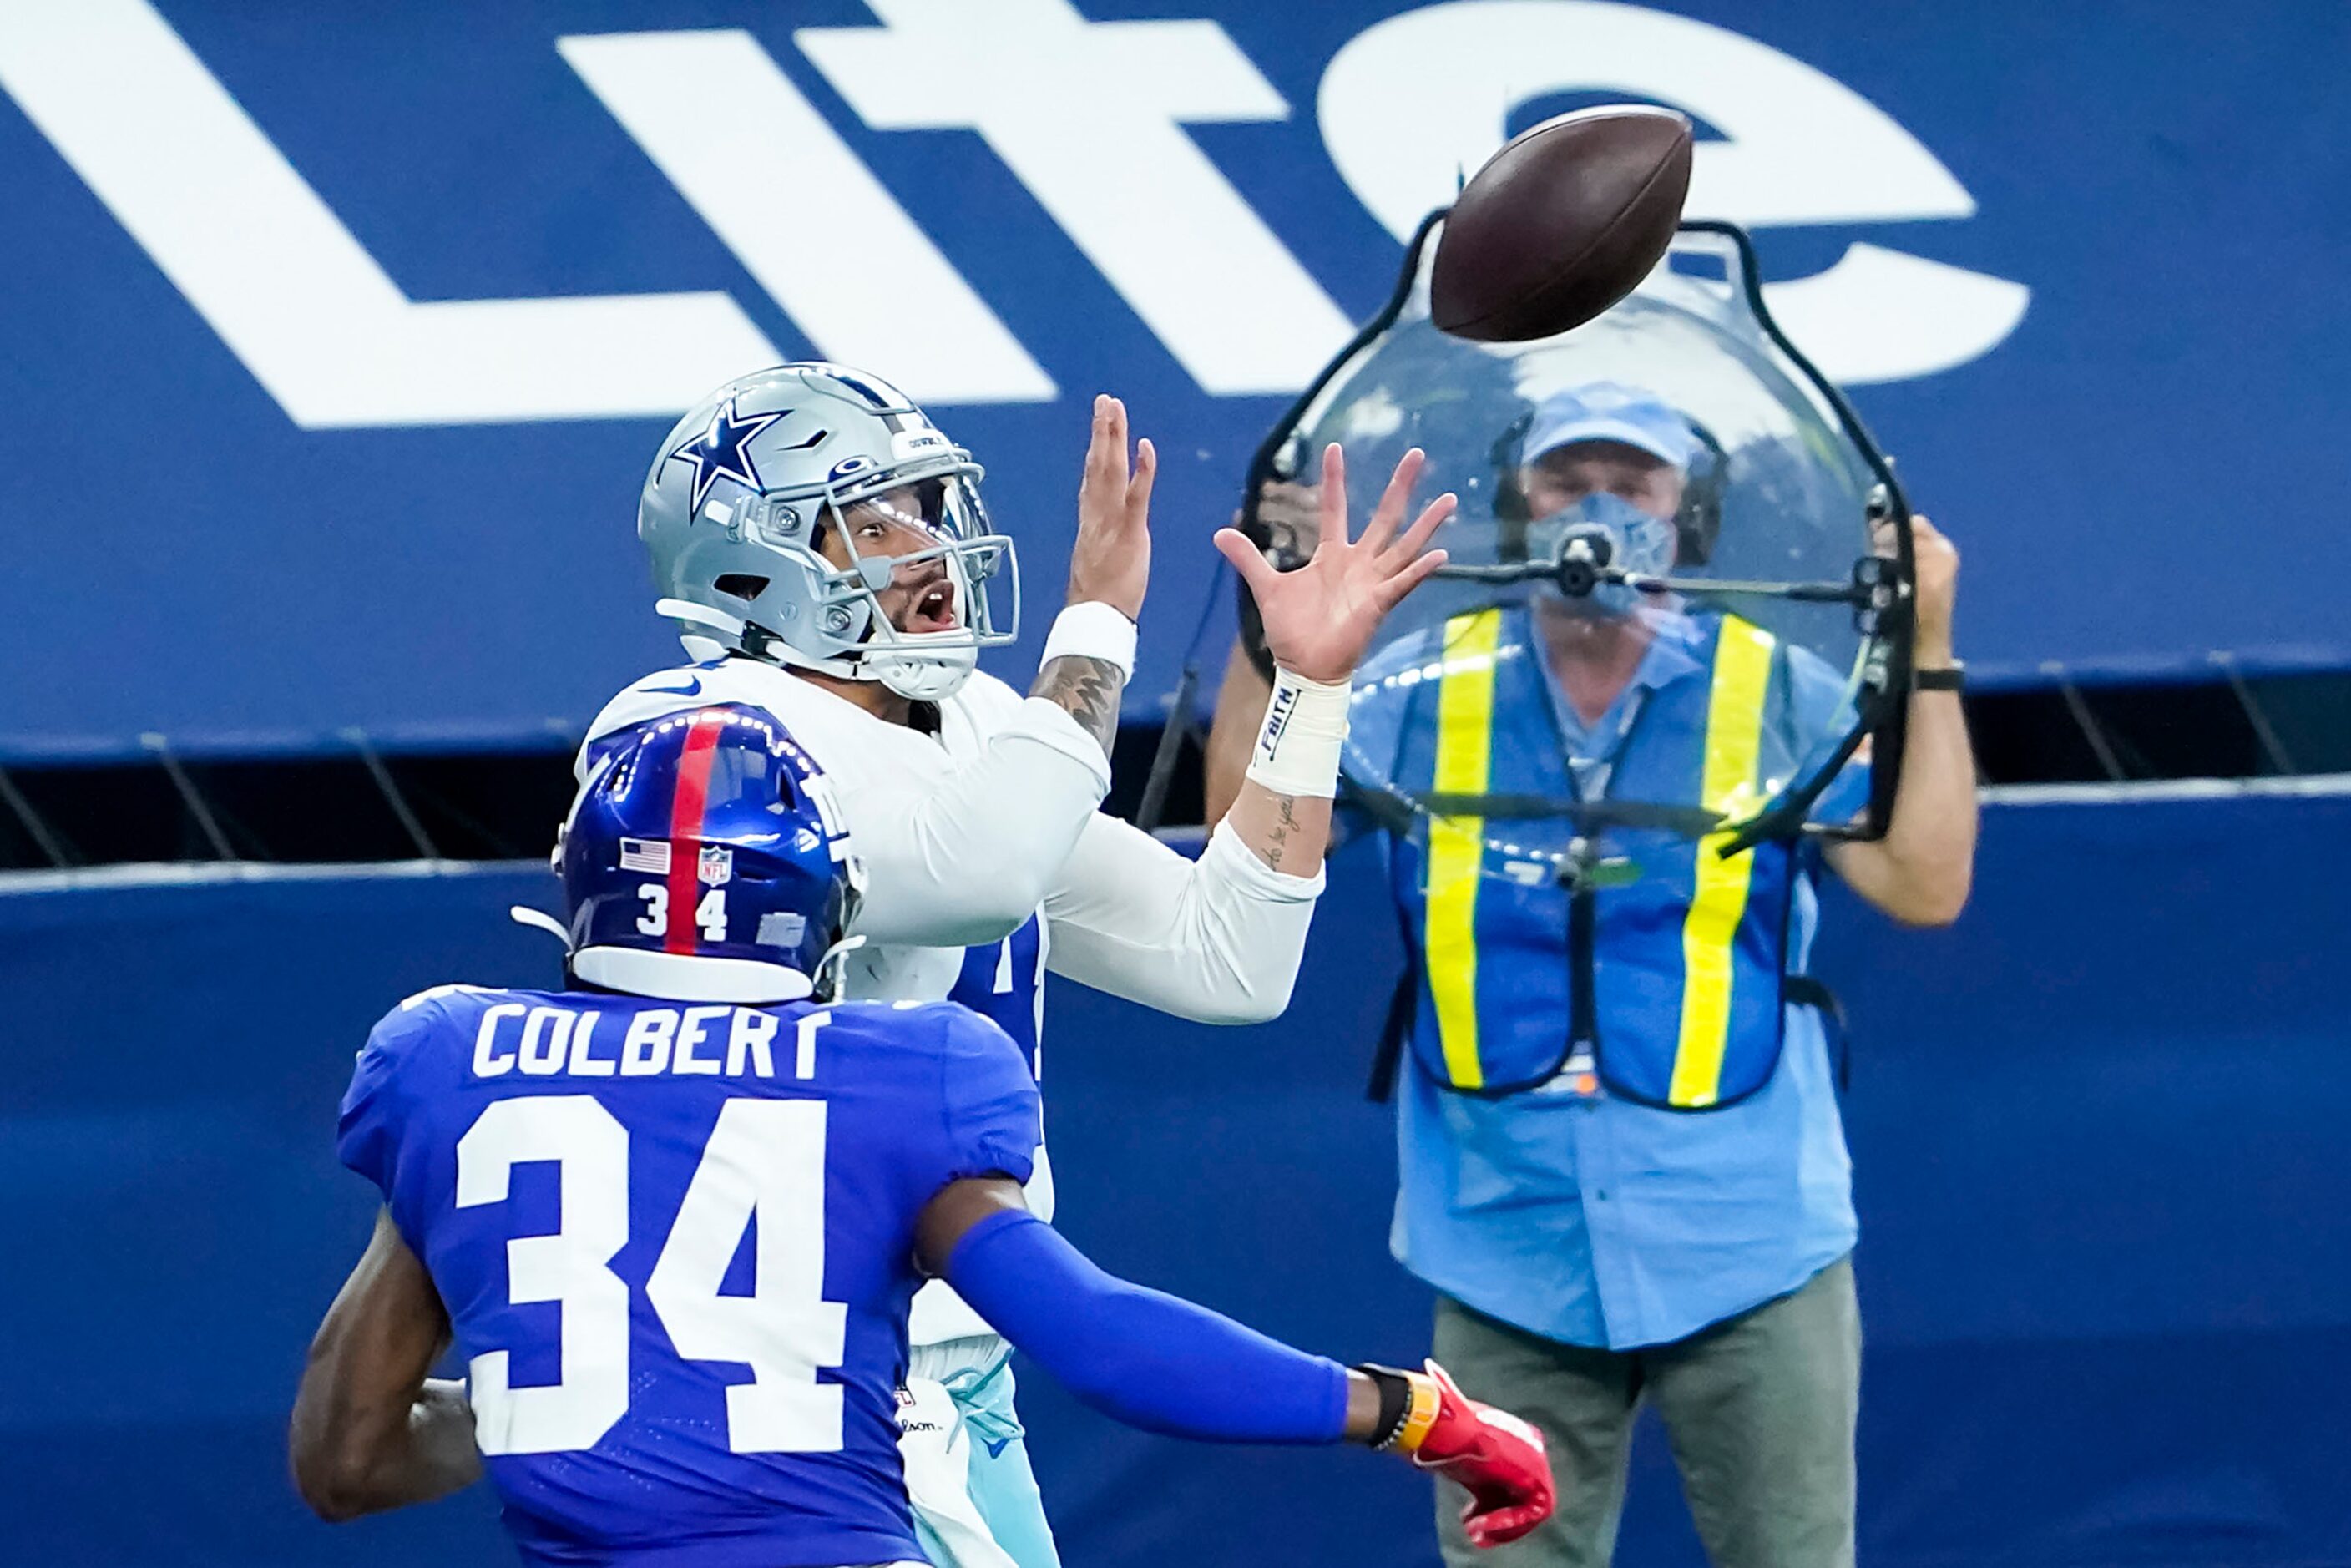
(1760, 1410)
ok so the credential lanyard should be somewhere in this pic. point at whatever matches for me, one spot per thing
(1590, 779)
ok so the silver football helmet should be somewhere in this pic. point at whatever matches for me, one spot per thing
(739, 502)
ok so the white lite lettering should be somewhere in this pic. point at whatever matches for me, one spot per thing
(1801, 147)
(716, 114)
(271, 269)
(1090, 116)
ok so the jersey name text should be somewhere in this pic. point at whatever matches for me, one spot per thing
(552, 1041)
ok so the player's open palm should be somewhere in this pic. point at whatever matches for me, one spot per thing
(1112, 558)
(1320, 618)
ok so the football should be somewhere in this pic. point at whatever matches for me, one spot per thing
(1560, 223)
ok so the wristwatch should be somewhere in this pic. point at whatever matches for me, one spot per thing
(1950, 677)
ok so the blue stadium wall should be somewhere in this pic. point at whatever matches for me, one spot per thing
(2106, 1266)
(337, 340)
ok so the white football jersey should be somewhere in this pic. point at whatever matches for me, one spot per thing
(922, 896)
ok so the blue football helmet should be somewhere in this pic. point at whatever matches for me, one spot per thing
(705, 861)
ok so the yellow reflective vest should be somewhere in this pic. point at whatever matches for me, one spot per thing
(1670, 978)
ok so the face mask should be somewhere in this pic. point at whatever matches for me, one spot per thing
(1610, 531)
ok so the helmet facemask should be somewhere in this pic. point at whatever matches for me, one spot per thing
(818, 615)
(977, 578)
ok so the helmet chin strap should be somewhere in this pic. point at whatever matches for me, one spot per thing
(540, 919)
(831, 974)
(729, 628)
(723, 633)
(899, 661)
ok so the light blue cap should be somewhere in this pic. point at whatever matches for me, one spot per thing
(1610, 411)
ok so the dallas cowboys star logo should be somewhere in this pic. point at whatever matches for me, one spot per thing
(722, 451)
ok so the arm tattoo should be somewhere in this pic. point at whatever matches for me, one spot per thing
(1278, 840)
(1089, 689)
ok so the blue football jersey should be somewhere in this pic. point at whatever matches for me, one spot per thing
(677, 1245)
(998, 981)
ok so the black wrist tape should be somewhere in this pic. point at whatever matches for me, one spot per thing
(1395, 1401)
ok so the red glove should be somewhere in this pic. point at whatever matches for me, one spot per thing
(1499, 1458)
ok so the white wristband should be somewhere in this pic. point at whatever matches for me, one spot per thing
(1093, 630)
(1298, 745)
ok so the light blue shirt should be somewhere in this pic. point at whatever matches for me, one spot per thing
(1596, 1221)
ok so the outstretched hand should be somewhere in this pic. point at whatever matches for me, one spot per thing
(1319, 618)
(1111, 560)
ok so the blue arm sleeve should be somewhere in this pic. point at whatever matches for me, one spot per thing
(1140, 1356)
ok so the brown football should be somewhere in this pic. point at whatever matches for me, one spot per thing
(1560, 223)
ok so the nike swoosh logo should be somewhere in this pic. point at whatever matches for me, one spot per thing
(692, 688)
